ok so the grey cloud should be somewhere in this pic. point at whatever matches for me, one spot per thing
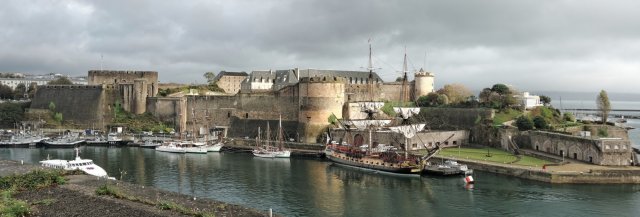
(556, 45)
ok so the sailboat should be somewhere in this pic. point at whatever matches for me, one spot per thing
(386, 160)
(268, 151)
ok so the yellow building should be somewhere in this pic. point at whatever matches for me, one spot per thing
(230, 81)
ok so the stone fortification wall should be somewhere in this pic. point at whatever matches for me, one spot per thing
(167, 109)
(150, 78)
(363, 92)
(320, 97)
(613, 152)
(393, 91)
(454, 118)
(240, 114)
(81, 104)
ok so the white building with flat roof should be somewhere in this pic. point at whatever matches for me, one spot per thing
(529, 101)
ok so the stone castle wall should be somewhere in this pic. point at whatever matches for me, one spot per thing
(611, 152)
(81, 104)
(323, 97)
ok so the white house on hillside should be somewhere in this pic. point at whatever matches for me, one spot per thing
(529, 101)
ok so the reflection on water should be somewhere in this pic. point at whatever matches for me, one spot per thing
(303, 187)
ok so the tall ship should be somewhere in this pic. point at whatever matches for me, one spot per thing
(380, 158)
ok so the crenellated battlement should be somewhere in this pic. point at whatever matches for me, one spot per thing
(424, 74)
(323, 79)
(121, 72)
(71, 86)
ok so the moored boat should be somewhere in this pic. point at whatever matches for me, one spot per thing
(66, 141)
(85, 165)
(268, 151)
(171, 147)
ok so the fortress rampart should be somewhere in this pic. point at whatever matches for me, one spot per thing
(77, 103)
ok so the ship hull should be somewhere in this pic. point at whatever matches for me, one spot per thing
(371, 164)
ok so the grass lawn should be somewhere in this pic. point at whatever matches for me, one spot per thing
(495, 156)
(505, 116)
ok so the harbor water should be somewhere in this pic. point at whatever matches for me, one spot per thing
(310, 187)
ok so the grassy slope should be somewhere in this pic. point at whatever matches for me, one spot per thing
(496, 156)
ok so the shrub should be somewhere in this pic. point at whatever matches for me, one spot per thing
(540, 123)
(524, 123)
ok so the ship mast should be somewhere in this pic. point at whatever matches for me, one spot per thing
(280, 136)
(405, 70)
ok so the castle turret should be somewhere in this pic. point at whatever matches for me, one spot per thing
(320, 97)
(424, 83)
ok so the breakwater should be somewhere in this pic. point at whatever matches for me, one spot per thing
(623, 175)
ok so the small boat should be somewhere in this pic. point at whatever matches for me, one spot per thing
(85, 165)
(21, 141)
(215, 147)
(65, 141)
(114, 139)
(151, 144)
(450, 167)
(98, 140)
(171, 147)
(194, 147)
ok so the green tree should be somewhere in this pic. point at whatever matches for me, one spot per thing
(442, 99)
(52, 107)
(20, 91)
(430, 99)
(31, 91)
(58, 117)
(60, 81)
(210, 76)
(501, 89)
(524, 123)
(545, 100)
(485, 95)
(604, 106)
(10, 113)
(568, 116)
(456, 93)
(540, 123)
(6, 92)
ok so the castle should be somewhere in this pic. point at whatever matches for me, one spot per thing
(305, 99)
(93, 105)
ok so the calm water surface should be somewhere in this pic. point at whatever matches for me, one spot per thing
(307, 187)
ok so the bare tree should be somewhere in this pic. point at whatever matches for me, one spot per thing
(603, 105)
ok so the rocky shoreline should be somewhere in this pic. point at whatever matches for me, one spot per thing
(79, 197)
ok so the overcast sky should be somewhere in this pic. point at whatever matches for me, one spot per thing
(533, 45)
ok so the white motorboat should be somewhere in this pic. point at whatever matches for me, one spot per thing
(151, 144)
(215, 147)
(171, 147)
(194, 147)
(85, 165)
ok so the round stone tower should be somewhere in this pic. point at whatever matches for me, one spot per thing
(319, 98)
(424, 83)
